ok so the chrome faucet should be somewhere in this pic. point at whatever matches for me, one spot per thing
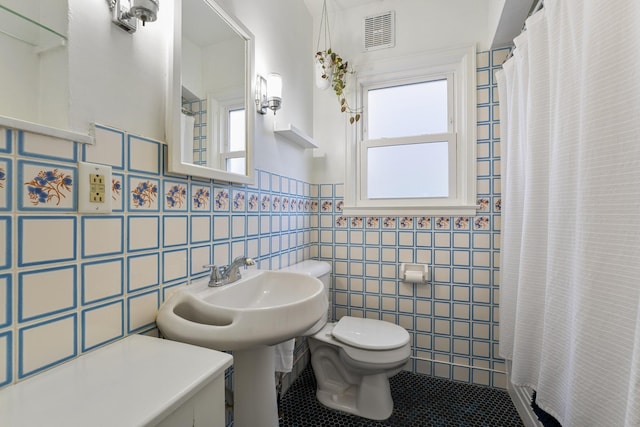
(225, 274)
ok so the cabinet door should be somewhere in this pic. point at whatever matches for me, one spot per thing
(205, 409)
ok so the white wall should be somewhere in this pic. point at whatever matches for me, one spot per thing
(421, 25)
(283, 34)
(118, 79)
(33, 80)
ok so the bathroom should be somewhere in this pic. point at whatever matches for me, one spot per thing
(112, 272)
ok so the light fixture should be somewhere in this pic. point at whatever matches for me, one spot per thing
(268, 93)
(125, 12)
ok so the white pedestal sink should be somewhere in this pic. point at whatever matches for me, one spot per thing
(247, 317)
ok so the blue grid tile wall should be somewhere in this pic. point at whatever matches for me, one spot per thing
(453, 320)
(70, 283)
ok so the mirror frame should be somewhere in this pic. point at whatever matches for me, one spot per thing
(174, 99)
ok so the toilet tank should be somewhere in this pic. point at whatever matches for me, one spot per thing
(319, 269)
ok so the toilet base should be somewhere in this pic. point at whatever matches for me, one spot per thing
(370, 399)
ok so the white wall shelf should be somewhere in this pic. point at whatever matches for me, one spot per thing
(10, 122)
(294, 134)
(22, 28)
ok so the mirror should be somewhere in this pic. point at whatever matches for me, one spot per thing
(210, 118)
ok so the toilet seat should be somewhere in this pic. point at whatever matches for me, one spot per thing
(370, 334)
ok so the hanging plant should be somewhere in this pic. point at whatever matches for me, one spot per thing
(335, 71)
(332, 70)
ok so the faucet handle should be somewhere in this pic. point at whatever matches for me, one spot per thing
(217, 274)
(216, 271)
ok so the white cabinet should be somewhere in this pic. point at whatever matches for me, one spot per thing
(205, 409)
(138, 381)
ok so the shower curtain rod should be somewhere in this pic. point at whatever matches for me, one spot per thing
(539, 5)
(188, 112)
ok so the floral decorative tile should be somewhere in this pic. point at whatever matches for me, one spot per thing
(275, 204)
(265, 203)
(406, 222)
(201, 198)
(175, 196)
(357, 222)
(443, 223)
(389, 222)
(117, 189)
(373, 222)
(253, 203)
(341, 222)
(238, 200)
(220, 199)
(481, 223)
(6, 184)
(143, 194)
(301, 203)
(424, 222)
(461, 223)
(326, 206)
(46, 187)
(339, 205)
(285, 204)
(314, 206)
(497, 205)
(307, 205)
(483, 204)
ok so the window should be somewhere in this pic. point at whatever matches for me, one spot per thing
(415, 151)
(228, 134)
(234, 153)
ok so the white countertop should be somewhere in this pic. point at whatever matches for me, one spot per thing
(136, 381)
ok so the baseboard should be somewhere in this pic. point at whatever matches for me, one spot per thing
(521, 397)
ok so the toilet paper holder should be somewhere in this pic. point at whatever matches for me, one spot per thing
(414, 273)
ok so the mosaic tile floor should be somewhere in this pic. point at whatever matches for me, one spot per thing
(419, 401)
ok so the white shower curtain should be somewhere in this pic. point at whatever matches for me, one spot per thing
(570, 254)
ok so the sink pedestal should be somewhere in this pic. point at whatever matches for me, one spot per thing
(254, 395)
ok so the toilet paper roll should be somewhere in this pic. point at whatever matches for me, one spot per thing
(414, 277)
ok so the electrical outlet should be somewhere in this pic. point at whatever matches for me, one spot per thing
(94, 188)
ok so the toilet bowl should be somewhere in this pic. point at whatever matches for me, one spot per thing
(353, 359)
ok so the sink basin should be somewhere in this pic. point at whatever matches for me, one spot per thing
(262, 308)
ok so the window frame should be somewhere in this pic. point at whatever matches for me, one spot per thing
(225, 151)
(458, 64)
(218, 131)
(448, 137)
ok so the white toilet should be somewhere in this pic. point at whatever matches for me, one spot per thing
(354, 358)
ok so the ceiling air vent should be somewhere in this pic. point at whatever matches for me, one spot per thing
(379, 31)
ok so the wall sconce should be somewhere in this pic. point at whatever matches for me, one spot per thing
(269, 93)
(125, 12)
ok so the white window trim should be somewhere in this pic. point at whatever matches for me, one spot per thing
(218, 130)
(462, 63)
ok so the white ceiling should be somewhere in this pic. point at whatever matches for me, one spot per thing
(509, 14)
(315, 6)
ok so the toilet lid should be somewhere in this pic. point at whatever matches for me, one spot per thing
(370, 334)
